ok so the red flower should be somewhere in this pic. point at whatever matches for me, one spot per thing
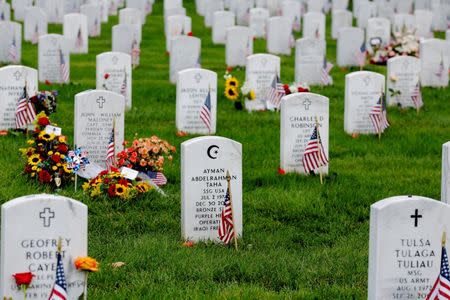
(43, 121)
(28, 169)
(44, 176)
(302, 90)
(3, 132)
(106, 76)
(106, 180)
(112, 190)
(229, 69)
(286, 88)
(62, 148)
(281, 171)
(23, 278)
(190, 33)
(123, 181)
(102, 173)
(47, 82)
(56, 158)
(114, 169)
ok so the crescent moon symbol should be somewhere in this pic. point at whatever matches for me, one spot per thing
(212, 152)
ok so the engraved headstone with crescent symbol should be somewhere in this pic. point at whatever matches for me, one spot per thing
(114, 74)
(196, 101)
(407, 235)
(97, 112)
(300, 113)
(31, 228)
(204, 164)
(12, 83)
(53, 59)
(362, 91)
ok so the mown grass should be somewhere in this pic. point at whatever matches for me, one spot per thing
(300, 240)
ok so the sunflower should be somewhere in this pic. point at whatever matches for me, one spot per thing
(251, 95)
(121, 190)
(66, 169)
(143, 187)
(231, 93)
(232, 81)
(46, 137)
(34, 159)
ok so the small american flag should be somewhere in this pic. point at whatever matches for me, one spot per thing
(95, 29)
(158, 178)
(63, 67)
(123, 87)
(111, 151)
(135, 53)
(198, 64)
(248, 47)
(325, 71)
(59, 291)
(2, 16)
(378, 115)
(35, 36)
(12, 54)
(226, 227)
(441, 68)
(416, 96)
(25, 113)
(275, 92)
(361, 55)
(314, 156)
(441, 287)
(317, 33)
(205, 111)
(79, 42)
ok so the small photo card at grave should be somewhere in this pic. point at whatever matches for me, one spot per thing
(129, 173)
(114, 73)
(405, 246)
(204, 164)
(300, 113)
(362, 92)
(13, 80)
(53, 59)
(196, 101)
(31, 228)
(97, 113)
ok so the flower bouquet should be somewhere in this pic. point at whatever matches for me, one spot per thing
(235, 93)
(112, 184)
(403, 43)
(46, 155)
(147, 155)
(44, 101)
(294, 88)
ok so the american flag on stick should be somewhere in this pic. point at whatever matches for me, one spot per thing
(205, 111)
(441, 68)
(111, 150)
(35, 36)
(25, 113)
(95, 28)
(135, 53)
(12, 54)
(378, 115)
(441, 287)
(416, 96)
(123, 87)
(59, 290)
(63, 67)
(275, 92)
(361, 55)
(226, 227)
(157, 178)
(325, 71)
(314, 156)
(79, 42)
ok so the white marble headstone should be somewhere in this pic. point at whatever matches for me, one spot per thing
(434, 62)
(53, 59)
(54, 10)
(257, 21)
(12, 83)
(424, 19)
(185, 53)
(114, 74)
(204, 164)
(195, 87)
(315, 5)
(140, 5)
(362, 91)
(402, 22)
(379, 28)
(309, 60)
(5, 12)
(349, 42)
(10, 42)
(177, 25)
(35, 24)
(123, 37)
(292, 9)
(259, 74)
(340, 4)
(221, 21)
(314, 25)
(211, 7)
(340, 19)
(365, 12)
(130, 16)
(405, 246)
(300, 113)
(239, 45)
(76, 32)
(95, 113)
(19, 7)
(279, 35)
(403, 74)
(94, 18)
(31, 228)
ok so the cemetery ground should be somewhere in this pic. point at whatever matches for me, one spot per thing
(300, 239)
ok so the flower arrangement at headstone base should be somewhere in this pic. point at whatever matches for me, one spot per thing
(234, 92)
(46, 154)
(404, 43)
(147, 155)
(294, 88)
(112, 184)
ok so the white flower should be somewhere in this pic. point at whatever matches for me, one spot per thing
(245, 89)
(293, 88)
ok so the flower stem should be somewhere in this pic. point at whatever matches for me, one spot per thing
(24, 290)
(85, 285)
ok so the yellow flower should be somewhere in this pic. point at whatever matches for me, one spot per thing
(96, 191)
(34, 168)
(32, 174)
(46, 137)
(62, 139)
(30, 142)
(231, 93)
(143, 187)
(86, 264)
(62, 156)
(85, 185)
(34, 159)
(232, 81)
(50, 153)
(66, 169)
(251, 95)
(121, 190)
(54, 168)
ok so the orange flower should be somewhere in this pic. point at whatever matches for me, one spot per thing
(86, 264)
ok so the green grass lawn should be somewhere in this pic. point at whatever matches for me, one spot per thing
(300, 239)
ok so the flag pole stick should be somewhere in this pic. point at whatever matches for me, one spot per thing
(318, 151)
(114, 140)
(232, 212)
